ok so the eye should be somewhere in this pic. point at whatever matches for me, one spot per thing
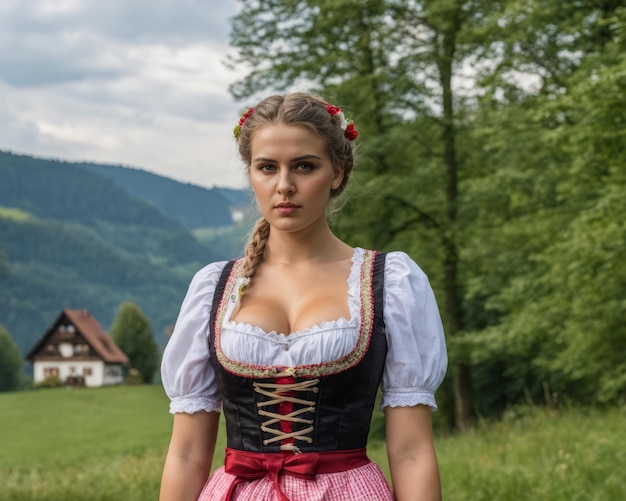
(303, 167)
(266, 167)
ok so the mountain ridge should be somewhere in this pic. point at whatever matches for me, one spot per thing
(73, 237)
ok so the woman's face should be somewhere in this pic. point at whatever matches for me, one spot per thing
(291, 174)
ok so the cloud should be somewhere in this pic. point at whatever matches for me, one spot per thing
(135, 82)
(130, 20)
(44, 59)
(44, 42)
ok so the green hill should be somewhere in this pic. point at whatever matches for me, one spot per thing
(73, 238)
(193, 206)
(61, 190)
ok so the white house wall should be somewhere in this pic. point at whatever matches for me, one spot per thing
(75, 368)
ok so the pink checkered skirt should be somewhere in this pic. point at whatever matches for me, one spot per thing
(364, 483)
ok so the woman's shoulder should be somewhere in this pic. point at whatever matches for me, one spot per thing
(206, 278)
(400, 264)
(210, 271)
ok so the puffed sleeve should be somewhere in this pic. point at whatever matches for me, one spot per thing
(416, 358)
(186, 371)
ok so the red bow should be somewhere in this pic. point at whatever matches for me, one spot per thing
(250, 466)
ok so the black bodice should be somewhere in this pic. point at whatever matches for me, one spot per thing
(331, 411)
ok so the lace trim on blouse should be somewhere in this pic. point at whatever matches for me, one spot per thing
(191, 405)
(408, 398)
(359, 303)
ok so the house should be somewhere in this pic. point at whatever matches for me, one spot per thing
(76, 350)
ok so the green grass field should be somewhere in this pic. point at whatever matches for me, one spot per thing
(108, 444)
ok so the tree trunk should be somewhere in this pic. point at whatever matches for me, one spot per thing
(462, 396)
(453, 305)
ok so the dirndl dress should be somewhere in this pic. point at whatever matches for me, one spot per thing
(298, 408)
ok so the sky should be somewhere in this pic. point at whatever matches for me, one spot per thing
(139, 83)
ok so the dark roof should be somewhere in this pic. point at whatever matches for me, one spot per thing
(91, 330)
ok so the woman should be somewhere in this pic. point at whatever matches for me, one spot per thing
(293, 340)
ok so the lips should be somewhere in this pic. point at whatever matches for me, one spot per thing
(286, 208)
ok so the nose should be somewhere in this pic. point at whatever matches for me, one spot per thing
(285, 182)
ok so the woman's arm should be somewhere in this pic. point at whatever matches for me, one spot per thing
(411, 453)
(189, 457)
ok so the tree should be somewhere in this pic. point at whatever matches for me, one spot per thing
(132, 332)
(545, 251)
(4, 263)
(392, 64)
(492, 183)
(10, 363)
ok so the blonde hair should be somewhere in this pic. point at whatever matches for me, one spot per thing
(301, 109)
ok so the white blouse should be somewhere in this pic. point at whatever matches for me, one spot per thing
(416, 359)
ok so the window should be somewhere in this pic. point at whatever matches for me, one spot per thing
(86, 371)
(81, 349)
(113, 371)
(49, 372)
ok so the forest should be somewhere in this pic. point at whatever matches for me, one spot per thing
(88, 236)
(492, 149)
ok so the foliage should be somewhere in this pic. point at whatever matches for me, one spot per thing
(49, 382)
(11, 376)
(391, 64)
(228, 242)
(52, 265)
(61, 190)
(492, 151)
(548, 246)
(133, 376)
(4, 264)
(15, 214)
(193, 206)
(131, 331)
(72, 237)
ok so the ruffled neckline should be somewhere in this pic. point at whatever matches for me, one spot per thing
(354, 299)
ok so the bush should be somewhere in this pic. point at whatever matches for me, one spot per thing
(11, 374)
(48, 382)
(133, 377)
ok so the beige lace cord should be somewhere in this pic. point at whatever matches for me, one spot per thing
(277, 397)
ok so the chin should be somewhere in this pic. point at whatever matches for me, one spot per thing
(288, 225)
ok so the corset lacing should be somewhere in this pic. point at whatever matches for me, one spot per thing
(282, 393)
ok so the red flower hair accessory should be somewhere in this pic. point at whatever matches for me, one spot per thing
(348, 128)
(242, 119)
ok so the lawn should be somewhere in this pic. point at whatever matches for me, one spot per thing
(83, 444)
(109, 443)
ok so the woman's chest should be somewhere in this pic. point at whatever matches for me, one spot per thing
(321, 347)
(292, 301)
(318, 344)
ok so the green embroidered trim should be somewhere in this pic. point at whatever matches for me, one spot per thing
(324, 369)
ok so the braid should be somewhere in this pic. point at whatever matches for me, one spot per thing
(256, 248)
(253, 258)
